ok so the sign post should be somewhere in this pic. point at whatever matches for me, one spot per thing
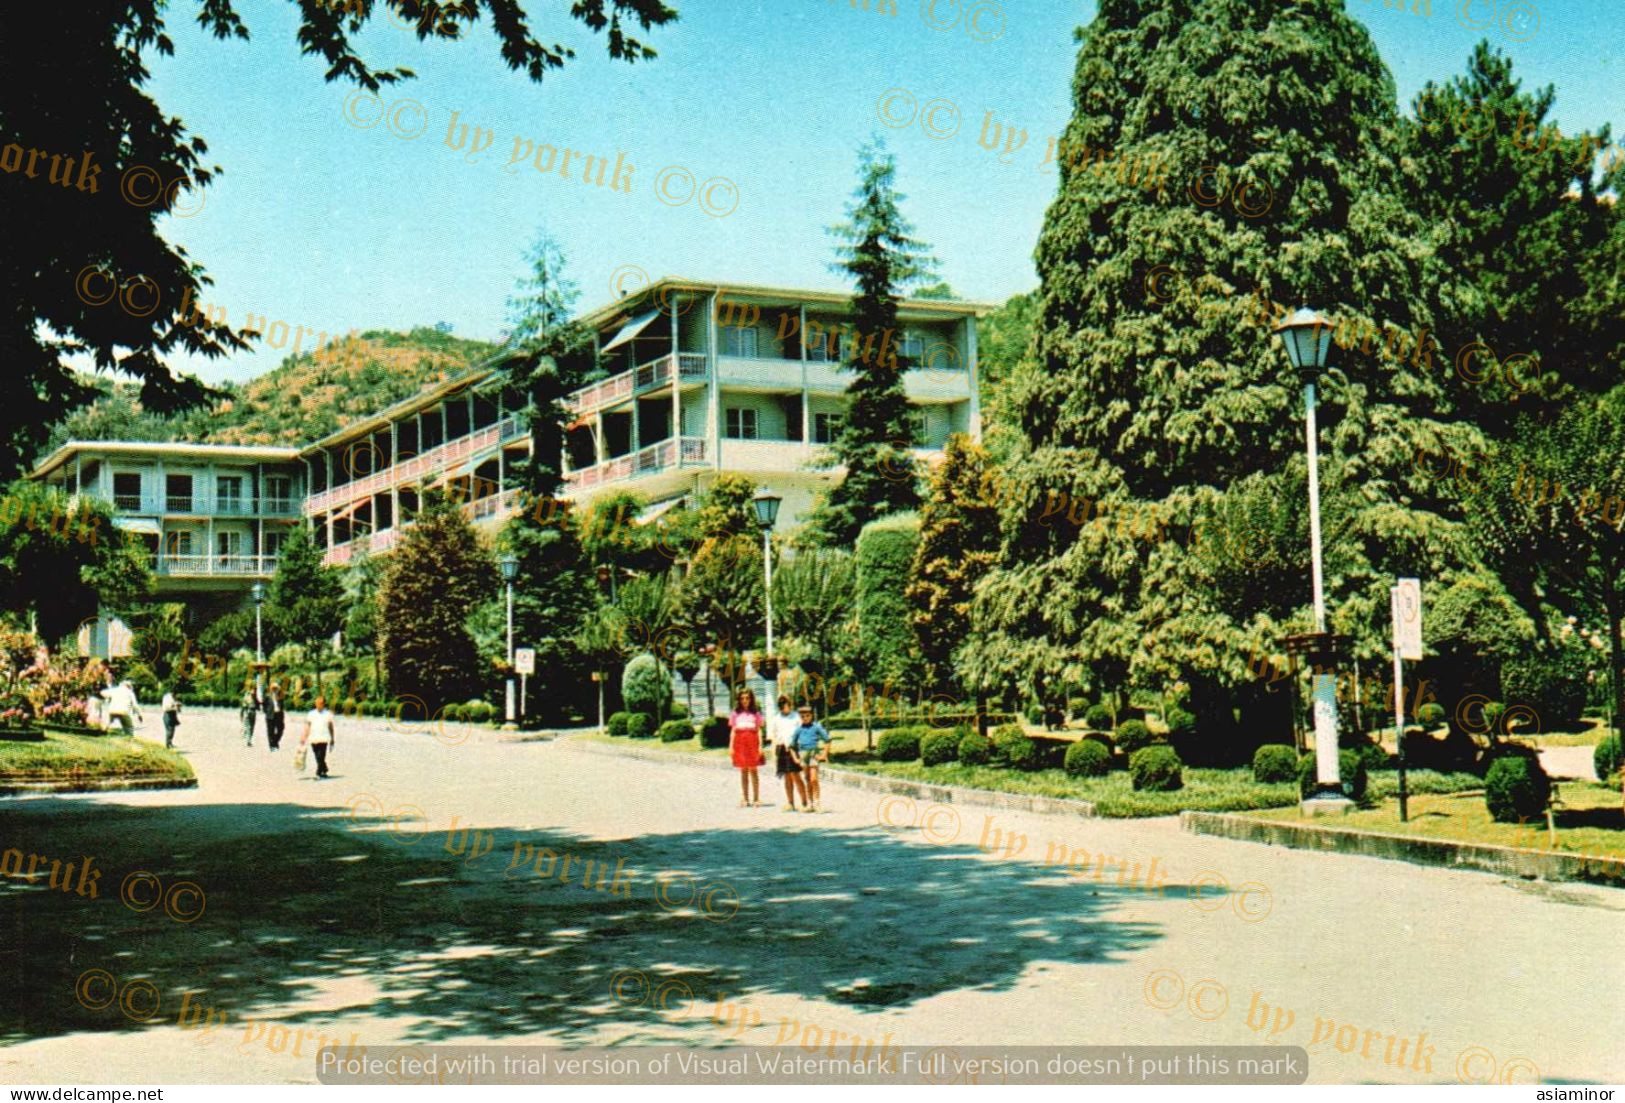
(1406, 605)
(524, 661)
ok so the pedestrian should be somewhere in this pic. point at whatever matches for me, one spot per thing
(247, 708)
(121, 706)
(276, 716)
(784, 760)
(319, 734)
(172, 716)
(746, 727)
(812, 747)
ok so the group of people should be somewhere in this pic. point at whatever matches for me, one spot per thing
(800, 744)
(271, 703)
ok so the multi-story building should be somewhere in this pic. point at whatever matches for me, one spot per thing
(702, 378)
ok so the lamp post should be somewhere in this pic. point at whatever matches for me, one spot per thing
(258, 593)
(1307, 336)
(767, 511)
(510, 570)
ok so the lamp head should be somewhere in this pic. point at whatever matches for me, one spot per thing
(1307, 335)
(258, 592)
(767, 508)
(509, 562)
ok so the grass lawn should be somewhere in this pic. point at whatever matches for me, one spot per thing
(1589, 823)
(89, 758)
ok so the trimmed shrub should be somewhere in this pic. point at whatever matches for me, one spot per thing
(1077, 706)
(1051, 750)
(1156, 769)
(1014, 750)
(1180, 723)
(1430, 715)
(1350, 772)
(1133, 735)
(940, 748)
(640, 725)
(1274, 762)
(677, 712)
(1493, 712)
(1087, 758)
(975, 750)
(673, 731)
(453, 712)
(479, 712)
(645, 686)
(1607, 758)
(617, 722)
(1516, 789)
(1098, 718)
(1034, 715)
(900, 745)
(714, 732)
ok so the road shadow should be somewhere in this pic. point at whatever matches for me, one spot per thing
(301, 902)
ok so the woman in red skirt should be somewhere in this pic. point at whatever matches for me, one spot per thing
(745, 743)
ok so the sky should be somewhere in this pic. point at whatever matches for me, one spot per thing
(339, 211)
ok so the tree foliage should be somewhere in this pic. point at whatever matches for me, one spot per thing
(958, 544)
(813, 595)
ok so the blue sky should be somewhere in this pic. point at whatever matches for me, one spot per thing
(334, 226)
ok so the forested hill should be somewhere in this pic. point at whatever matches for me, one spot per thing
(303, 399)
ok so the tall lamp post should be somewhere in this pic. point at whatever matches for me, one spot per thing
(510, 571)
(258, 593)
(767, 511)
(1307, 336)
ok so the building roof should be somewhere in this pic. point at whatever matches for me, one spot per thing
(380, 420)
(599, 316)
(250, 453)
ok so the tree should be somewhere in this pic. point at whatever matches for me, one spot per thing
(439, 574)
(886, 650)
(876, 438)
(88, 272)
(813, 593)
(307, 596)
(361, 582)
(719, 601)
(959, 539)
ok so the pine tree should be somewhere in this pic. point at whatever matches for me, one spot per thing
(439, 573)
(306, 596)
(883, 259)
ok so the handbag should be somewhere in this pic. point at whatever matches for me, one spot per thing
(299, 757)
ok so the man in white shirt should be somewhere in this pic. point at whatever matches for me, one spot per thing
(121, 706)
(171, 709)
(783, 726)
(319, 734)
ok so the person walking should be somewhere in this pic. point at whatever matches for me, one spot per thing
(319, 734)
(746, 727)
(276, 717)
(121, 706)
(172, 716)
(785, 763)
(812, 742)
(246, 709)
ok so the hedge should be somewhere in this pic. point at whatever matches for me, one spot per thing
(673, 731)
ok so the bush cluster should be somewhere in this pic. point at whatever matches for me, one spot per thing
(1274, 762)
(1133, 735)
(715, 732)
(673, 731)
(1098, 718)
(1607, 758)
(1156, 769)
(975, 750)
(617, 722)
(1431, 715)
(1516, 788)
(640, 725)
(940, 748)
(901, 744)
(1087, 758)
(1013, 749)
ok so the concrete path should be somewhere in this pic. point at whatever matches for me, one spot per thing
(746, 924)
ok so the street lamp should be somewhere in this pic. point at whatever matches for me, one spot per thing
(258, 592)
(1307, 336)
(767, 511)
(510, 571)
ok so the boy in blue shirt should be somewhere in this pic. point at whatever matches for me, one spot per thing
(810, 746)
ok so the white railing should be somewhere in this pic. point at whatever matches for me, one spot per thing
(669, 453)
(656, 373)
(411, 469)
(192, 566)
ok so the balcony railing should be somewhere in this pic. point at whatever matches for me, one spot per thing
(196, 505)
(179, 503)
(131, 502)
(656, 373)
(669, 453)
(194, 566)
(410, 470)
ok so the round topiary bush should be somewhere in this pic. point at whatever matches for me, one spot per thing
(1034, 714)
(645, 686)
(1133, 735)
(940, 748)
(673, 731)
(1516, 789)
(1077, 706)
(1430, 715)
(1098, 718)
(714, 732)
(640, 725)
(1180, 723)
(975, 750)
(1086, 758)
(1156, 769)
(1012, 749)
(900, 745)
(479, 712)
(1350, 773)
(1607, 758)
(1274, 762)
(1493, 712)
(617, 722)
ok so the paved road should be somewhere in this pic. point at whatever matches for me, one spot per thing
(364, 927)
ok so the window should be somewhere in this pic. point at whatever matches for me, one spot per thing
(826, 427)
(913, 347)
(737, 341)
(274, 542)
(228, 493)
(178, 543)
(127, 489)
(278, 493)
(228, 545)
(178, 490)
(740, 423)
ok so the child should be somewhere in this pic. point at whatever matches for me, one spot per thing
(746, 727)
(811, 748)
(785, 726)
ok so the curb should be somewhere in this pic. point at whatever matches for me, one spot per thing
(1508, 861)
(941, 794)
(95, 785)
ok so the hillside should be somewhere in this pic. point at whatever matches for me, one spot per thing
(303, 399)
